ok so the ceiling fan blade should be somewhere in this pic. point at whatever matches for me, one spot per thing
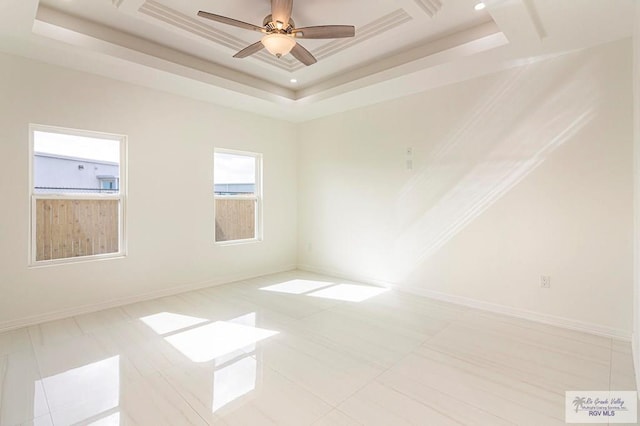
(230, 21)
(249, 50)
(281, 11)
(303, 55)
(325, 31)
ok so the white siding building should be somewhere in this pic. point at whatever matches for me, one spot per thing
(53, 173)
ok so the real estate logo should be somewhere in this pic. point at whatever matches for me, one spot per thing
(601, 406)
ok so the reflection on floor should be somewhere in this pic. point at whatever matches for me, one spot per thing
(299, 349)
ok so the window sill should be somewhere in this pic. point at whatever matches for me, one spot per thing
(74, 260)
(238, 242)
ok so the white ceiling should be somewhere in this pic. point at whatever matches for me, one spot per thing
(401, 46)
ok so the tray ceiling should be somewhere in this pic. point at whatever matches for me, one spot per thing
(400, 47)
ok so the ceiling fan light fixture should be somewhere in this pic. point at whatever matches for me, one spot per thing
(278, 44)
(280, 32)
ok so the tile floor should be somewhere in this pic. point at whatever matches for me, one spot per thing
(299, 349)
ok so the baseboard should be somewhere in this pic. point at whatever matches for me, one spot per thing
(539, 317)
(114, 303)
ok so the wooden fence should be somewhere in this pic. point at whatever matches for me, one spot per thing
(235, 219)
(72, 228)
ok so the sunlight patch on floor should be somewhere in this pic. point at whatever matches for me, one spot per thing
(297, 286)
(208, 342)
(167, 322)
(349, 292)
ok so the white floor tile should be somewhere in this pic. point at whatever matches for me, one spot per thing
(268, 351)
(379, 405)
(97, 320)
(488, 396)
(245, 391)
(60, 357)
(22, 397)
(14, 341)
(543, 364)
(622, 370)
(153, 401)
(337, 418)
(325, 372)
(52, 332)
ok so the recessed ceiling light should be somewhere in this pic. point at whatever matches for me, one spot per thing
(293, 80)
(480, 6)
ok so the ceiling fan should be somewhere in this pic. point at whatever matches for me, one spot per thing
(281, 32)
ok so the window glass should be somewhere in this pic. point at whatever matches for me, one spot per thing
(234, 174)
(77, 203)
(68, 163)
(237, 196)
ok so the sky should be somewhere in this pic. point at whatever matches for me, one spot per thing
(230, 168)
(77, 146)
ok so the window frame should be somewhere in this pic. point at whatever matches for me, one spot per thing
(121, 196)
(258, 197)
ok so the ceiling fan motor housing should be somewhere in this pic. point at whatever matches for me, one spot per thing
(272, 26)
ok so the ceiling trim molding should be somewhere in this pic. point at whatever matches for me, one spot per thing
(85, 34)
(54, 24)
(173, 17)
(128, 6)
(516, 33)
(194, 26)
(430, 7)
(364, 33)
(158, 11)
(450, 48)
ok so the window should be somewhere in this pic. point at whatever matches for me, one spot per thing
(109, 183)
(77, 202)
(238, 196)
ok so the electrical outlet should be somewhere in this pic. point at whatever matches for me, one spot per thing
(409, 151)
(545, 281)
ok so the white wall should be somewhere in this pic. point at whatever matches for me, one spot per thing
(523, 173)
(636, 193)
(169, 220)
(517, 174)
